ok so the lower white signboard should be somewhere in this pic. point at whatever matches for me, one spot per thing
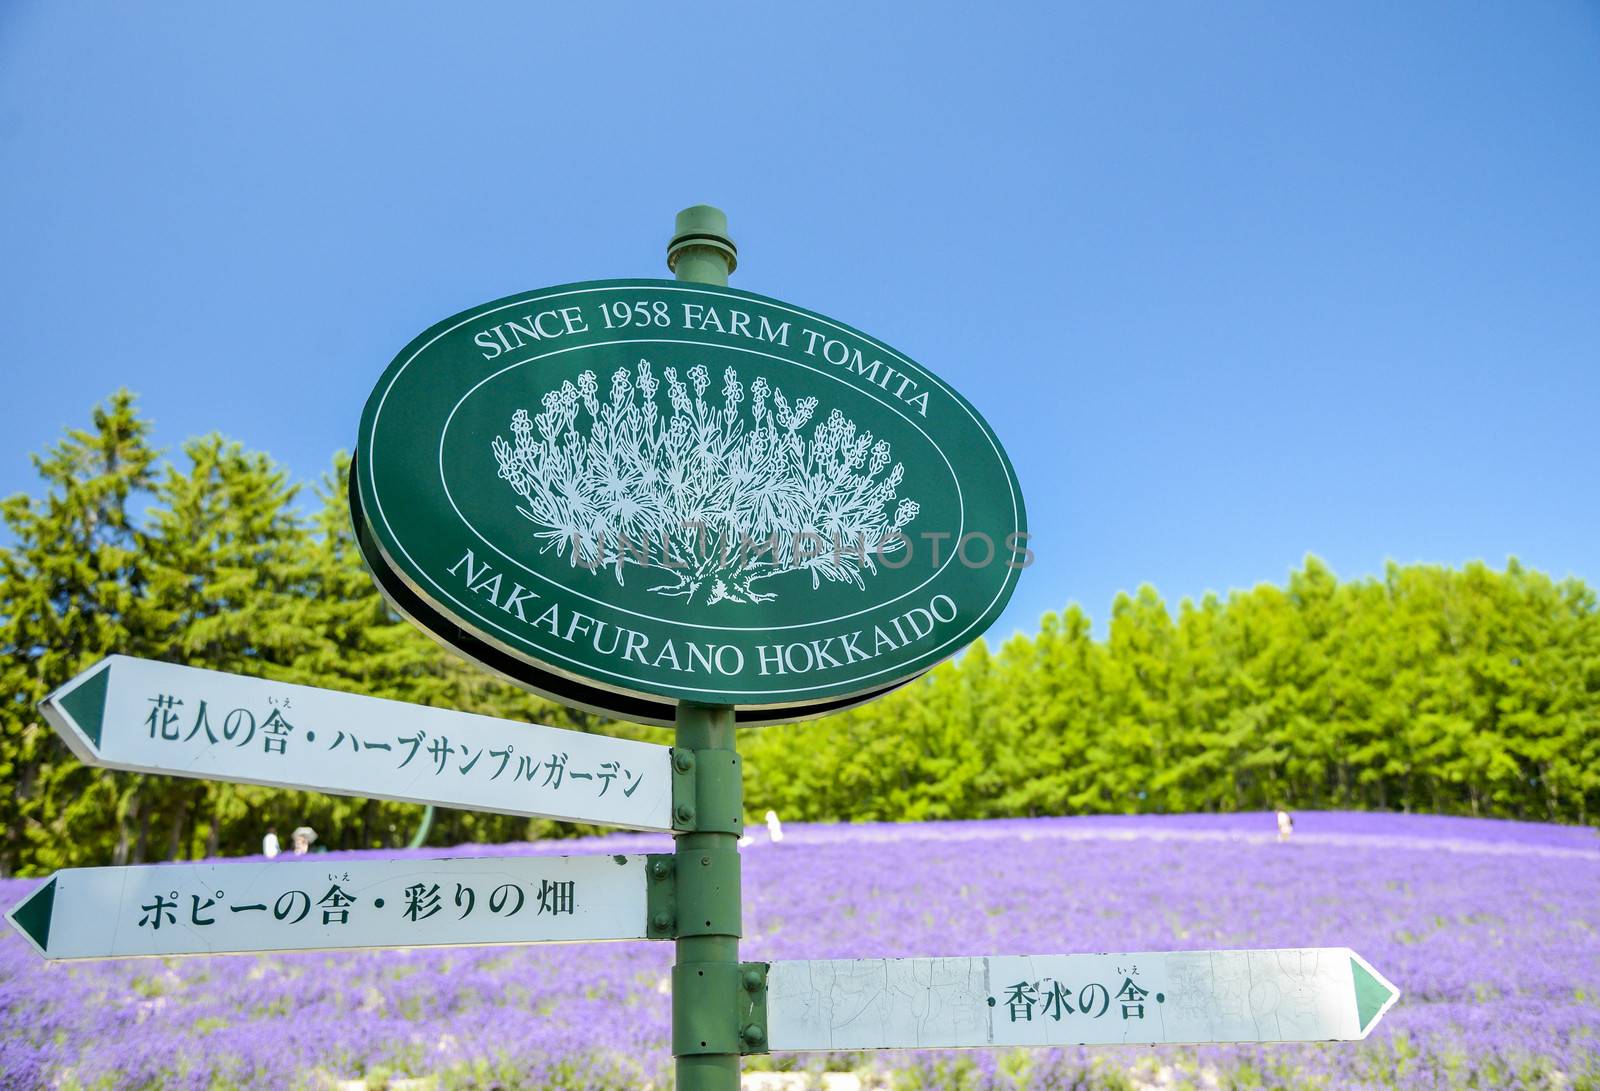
(1293, 995)
(331, 904)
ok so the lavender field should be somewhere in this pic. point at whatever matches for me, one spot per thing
(1491, 930)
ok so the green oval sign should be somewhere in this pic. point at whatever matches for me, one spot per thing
(626, 494)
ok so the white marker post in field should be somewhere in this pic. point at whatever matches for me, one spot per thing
(328, 903)
(148, 717)
(1310, 994)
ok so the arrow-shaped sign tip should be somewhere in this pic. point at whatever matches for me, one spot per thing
(81, 703)
(1375, 994)
(31, 916)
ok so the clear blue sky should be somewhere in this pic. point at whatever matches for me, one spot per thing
(1233, 283)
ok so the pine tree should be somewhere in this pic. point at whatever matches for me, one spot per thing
(72, 591)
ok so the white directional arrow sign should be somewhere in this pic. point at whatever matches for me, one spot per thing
(148, 717)
(1147, 998)
(333, 904)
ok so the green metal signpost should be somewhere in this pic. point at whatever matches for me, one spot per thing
(711, 998)
(676, 503)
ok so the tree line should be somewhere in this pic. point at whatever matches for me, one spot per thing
(1469, 691)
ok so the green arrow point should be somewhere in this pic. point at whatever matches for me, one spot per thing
(1371, 995)
(86, 704)
(32, 917)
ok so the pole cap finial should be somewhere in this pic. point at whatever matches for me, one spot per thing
(701, 226)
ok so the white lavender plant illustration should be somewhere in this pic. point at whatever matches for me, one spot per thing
(715, 498)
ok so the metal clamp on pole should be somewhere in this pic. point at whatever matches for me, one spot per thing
(708, 891)
(719, 1008)
(700, 779)
(719, 787)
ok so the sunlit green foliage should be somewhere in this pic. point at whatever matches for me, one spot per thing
(1465, 691)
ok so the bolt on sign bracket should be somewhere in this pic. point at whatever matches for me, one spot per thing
(753, 1007)
(683, 790)
(661, 896)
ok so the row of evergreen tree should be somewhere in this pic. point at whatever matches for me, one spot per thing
(1454, 692)
(1469, 691)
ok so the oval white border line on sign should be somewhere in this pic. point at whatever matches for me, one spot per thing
(582, 672)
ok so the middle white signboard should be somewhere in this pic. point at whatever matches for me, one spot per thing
(328, 902)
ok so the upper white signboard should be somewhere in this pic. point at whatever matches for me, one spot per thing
(148, 717)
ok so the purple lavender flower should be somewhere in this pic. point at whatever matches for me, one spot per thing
(1489, 928)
